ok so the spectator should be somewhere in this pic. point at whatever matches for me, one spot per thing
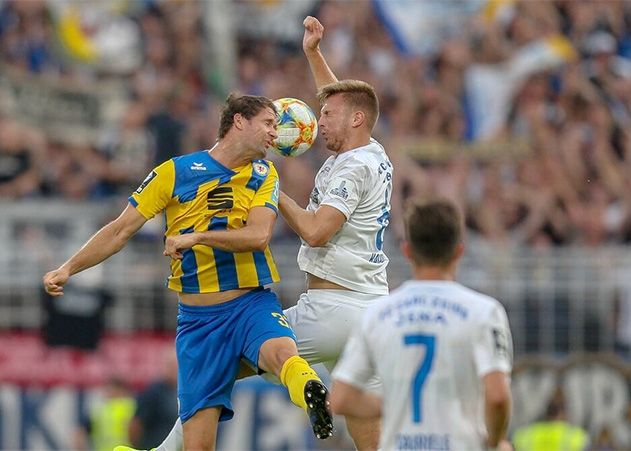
(20, 158)
(77, 320)
(107, 424)
(573, 118)
(156, 407)
(553, 433)
(129, 151)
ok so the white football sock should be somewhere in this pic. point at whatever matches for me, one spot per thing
(175, 440)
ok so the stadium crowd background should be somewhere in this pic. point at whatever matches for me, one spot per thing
(518, 111)
(568, 185)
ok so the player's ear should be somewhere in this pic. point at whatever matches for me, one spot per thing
(406, 249)
(238, 120)
(458, 251)
(358, 118)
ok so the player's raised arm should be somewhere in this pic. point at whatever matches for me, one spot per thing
(322, 73)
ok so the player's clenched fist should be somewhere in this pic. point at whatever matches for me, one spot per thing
(173, 245)
(55, 280)
(313, 34)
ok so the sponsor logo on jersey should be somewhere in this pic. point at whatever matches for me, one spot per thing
(146, 181)
(315, 196)
(340, 191)
(220, 198)
(377, 257)
(276, 192)
(260, 168)
(198, 167)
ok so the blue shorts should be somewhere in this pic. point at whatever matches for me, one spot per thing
(211, 340)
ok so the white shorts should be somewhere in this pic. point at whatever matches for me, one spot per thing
(323, 321)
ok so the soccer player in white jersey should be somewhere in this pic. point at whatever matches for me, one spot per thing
(341, 229)
(442, 351)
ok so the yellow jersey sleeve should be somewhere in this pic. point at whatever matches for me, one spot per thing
(267, 194)
(155, 192)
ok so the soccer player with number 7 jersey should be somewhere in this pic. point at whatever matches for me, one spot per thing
(442, 351)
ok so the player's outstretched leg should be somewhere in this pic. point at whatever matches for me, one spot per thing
(279, 356)
(306, 390)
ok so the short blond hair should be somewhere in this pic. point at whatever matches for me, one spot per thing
(358, 94)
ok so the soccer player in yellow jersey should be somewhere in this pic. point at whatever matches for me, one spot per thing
(225, 199)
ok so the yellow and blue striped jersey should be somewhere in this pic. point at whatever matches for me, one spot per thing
(197, 193)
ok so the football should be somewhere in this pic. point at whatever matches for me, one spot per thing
(297, 127)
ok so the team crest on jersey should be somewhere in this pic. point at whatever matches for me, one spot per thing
(260, 168)
(340, 191)
(145, 182)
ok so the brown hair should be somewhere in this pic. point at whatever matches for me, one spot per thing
(358, 94)
(433, 229)
(247, 106)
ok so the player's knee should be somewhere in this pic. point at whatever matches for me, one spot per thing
(285, 352)
(334, 404)
(275, 352)
(338, 402)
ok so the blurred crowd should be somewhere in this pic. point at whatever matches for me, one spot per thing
(555, 171)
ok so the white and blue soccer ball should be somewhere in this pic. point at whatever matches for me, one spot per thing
(297, 127)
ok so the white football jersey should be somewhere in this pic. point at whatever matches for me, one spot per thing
(430, 342)
(359, 184)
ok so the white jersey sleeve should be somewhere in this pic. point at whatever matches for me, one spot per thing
(493, 345)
